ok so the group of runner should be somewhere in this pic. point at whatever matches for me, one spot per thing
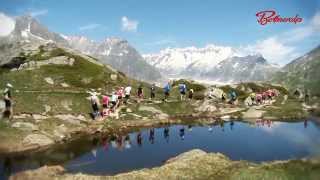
(110, 103)
(122, 96)
(264, 97)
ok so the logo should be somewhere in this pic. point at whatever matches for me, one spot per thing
(271, 16)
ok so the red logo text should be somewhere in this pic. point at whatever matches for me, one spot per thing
(270, 16)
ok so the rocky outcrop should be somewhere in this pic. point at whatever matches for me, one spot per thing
(253, 113)
(59, 60)
(206, 106)
(25, 126)
(158, 113)
(37, 139)
(195, 164)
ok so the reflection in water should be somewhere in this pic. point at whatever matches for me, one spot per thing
(270, 141)
(127, 142)
(113, 141)
(105, 143)
(139, 139)
(166, 134)
(222, 125)
(7, 167)
(119, 142)
(305, 123)
(181, 133)
(151, 136)
(210, 129)
(231, 125)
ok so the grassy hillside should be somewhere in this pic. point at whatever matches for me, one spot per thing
(303, 73)
(67, 92)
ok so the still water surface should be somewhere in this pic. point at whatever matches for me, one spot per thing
(263, 141)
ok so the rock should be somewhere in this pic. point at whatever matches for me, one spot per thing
(47, 108)
(65, 85)
(113, 77)
(252, 114)
(60, 132)
(25, 126)
(37, 139)
(227, 117)
(58, 60)
(66, 104)
(285, 98)
(230, 110)
(206, 107)
(150, 109)
(86, 80)
(162, 116)
(39, 117)
(158, 113)
(70, 118)
(217, 92)
(49, 80)
(22, 116)
(128, 110)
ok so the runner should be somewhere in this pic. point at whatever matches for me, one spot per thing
(259, 98)
(105, 105)
(166, 91)
(210, 94)
(127, 92)
(269, 96)
(120, 94)
(264, 97)
(140, 92)
(95, 105)
(223, 96)
(233, 97)
(182, 89)
(8, 101)
(191, 94)
(114, 101)
(153, 91)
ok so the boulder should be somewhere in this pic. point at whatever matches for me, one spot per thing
(76, 120)
(206, 107)
(252, 113)
(25, 126)
(21, 116)
(39, 117)
(65, 85)
(37, 139)
(113, 77)
(49, 80)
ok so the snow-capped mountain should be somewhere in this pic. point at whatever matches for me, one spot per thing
(28, 29)
(119, 54)
(237, 69)
(174, 61)
(214, 63)
(29, 34)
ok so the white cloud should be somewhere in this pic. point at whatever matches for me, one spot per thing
(273, 50)
(7, 25)
(129, 25)
(39, 12)
(89, 27)
(162, 42)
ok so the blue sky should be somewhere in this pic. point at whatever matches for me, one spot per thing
(154, 25)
